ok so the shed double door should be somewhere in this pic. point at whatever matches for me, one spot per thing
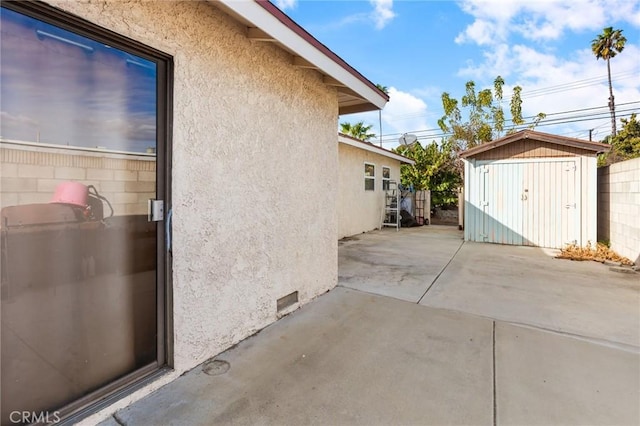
(531, 203)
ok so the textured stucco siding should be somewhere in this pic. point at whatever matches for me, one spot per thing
(619, 207)
(359, 210)
(254, 172)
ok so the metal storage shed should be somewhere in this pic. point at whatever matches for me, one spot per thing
(531, 188)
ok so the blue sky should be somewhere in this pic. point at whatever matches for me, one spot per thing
(420, 49)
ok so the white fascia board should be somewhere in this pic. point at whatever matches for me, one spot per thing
(375, 150)
(261, 18)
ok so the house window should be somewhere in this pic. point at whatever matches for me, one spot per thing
(386, 177)
(369, 177)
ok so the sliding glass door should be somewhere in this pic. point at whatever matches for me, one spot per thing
(83, 147)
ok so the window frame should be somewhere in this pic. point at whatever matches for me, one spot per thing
(119, 388)
(368, 178)
(384, 179)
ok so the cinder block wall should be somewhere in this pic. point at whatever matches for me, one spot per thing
(31, 173)
(619, 207)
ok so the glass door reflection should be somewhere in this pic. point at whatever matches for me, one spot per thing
(78, 255)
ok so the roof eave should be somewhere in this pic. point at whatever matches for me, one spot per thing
(357, 143)
(276, 27)
(596, 147)
(352, 109)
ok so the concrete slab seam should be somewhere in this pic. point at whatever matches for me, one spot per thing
(373, 293)
(495, 400)
(440, 273)
(608, 343)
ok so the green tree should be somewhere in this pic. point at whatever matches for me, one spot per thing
(434, 169)
(606, 46)
(485, 118)
(625, 145)
(382, 88)
(627, 142)
(358, 130)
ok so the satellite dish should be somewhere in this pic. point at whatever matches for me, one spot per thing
(408, 139)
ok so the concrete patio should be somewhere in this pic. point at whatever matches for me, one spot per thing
(424, 329)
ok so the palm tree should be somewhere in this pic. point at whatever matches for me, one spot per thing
(606, 46)
(358, 130)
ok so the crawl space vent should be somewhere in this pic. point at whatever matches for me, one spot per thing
(286, 301)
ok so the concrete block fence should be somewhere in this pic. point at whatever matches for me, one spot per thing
(31, 172)
(619, 207)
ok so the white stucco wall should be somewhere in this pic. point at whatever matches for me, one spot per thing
(254, 174)
(359, 210)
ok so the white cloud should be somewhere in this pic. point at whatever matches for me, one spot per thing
(578, 83)
(404, 113)
(541, 20)
(498, 61)
(491, 21)
(286, 4)
(553, 79)
(481, 32)
(552, 84)
(380, 16)
(382, 12)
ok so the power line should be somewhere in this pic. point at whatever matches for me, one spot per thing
(577, 84)
(578, 119)
(530, 117)
(543, 123)
(592, 108)
(595, 115)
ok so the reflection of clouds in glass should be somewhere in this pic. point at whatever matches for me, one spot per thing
(140, 130)
(70, 96)
(16, 121)
(143, 130)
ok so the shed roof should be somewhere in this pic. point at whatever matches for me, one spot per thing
(595, 147)
(266, 23)
(368, 146)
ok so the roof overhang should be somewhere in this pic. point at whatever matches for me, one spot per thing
(367, 146)
(266, 23)
(595, 147)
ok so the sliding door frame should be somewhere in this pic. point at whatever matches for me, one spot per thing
(101, 398)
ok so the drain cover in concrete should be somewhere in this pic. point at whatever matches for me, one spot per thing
(215, 367)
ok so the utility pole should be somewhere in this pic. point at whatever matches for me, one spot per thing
(590, 132)
(380, 118)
